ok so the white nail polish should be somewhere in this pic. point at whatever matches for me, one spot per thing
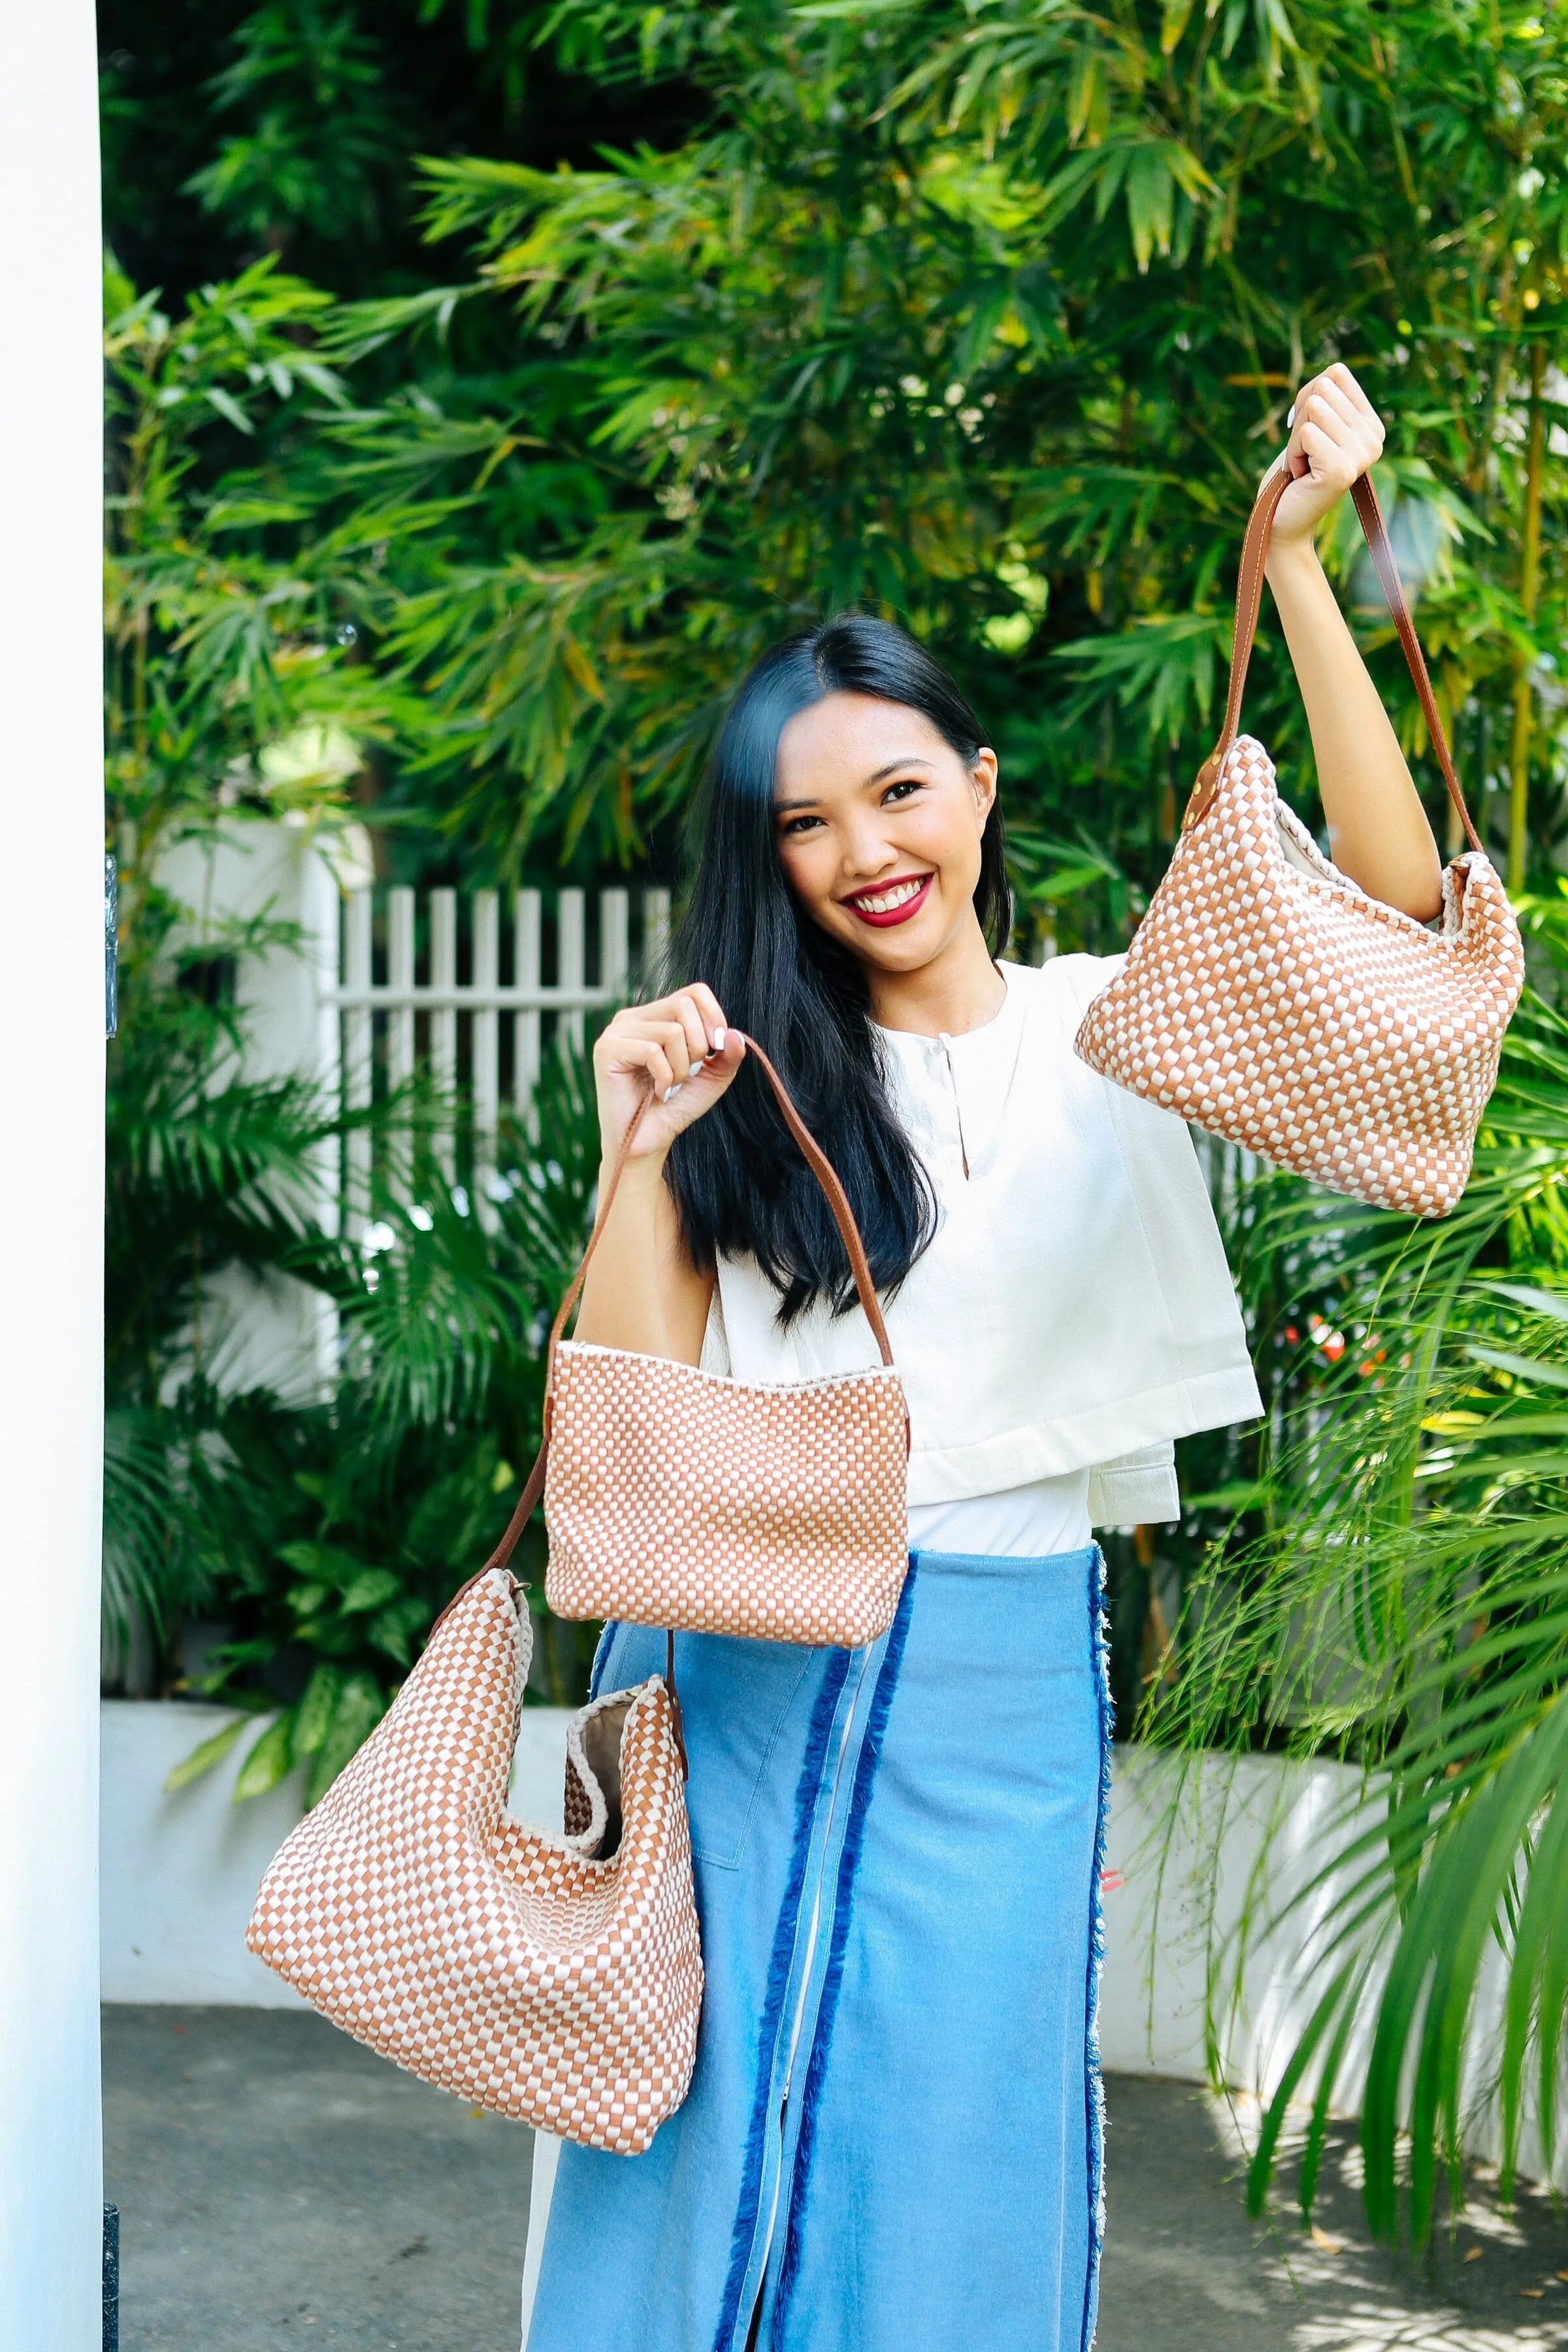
(670, 1094)
(718, 1041)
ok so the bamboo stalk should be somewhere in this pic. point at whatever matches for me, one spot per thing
(1528, 592)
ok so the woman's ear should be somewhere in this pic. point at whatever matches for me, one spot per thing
(984, 773)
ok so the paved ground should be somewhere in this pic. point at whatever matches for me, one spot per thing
(280, 2187)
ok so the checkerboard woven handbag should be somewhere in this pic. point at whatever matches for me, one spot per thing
(1266, 998)
(556, 1979)
(683, 1499)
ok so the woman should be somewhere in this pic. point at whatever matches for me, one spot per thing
(893, 2139)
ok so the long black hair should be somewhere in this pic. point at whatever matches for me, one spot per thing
(741, 1186)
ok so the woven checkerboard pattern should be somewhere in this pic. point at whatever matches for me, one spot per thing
(677, 1497)
(1291, 1012)
(487, 1957)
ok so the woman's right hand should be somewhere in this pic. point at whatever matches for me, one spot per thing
(682, 1044)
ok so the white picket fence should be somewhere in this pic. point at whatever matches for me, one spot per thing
(438, 983)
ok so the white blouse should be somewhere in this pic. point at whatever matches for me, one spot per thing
(1073, 1313)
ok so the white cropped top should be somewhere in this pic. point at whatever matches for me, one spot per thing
(1074, 1312)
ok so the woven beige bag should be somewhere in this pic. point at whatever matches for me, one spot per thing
(1266, 998)
(679, 1497)
(556, 1979)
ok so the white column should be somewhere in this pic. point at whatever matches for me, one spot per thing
(51, 1177)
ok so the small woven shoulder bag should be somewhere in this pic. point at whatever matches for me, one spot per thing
(683, 1499)
(1266, 998)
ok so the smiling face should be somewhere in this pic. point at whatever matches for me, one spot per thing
(878, 823)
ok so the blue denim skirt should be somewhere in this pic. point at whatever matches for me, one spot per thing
(893, 2137)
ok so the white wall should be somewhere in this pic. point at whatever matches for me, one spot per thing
(51, 1175)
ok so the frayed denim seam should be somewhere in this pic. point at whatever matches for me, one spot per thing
(832, 1976)
(779, 1965)
(1094, 2087)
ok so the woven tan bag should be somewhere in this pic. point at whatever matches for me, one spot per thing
(1267, 999)
(556, 1979)
(683, 1498)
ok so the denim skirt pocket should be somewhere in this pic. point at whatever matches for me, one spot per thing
(734, 1696)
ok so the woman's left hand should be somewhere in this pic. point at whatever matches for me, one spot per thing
(1335, 435)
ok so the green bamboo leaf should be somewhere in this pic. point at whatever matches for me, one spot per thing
(316, 1706)
(369, 1589)
(227, 407)
(1260, 2170)
(1541, 1932)
(210, 1752)
(360, 1708)
(1554, 1303)
(1524, 1368)
(269, 1761)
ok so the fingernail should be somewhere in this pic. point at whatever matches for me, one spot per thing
(718, 1041)
(670, 1094)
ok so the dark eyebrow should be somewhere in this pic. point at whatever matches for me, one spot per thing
(913, 760)
(784, 808)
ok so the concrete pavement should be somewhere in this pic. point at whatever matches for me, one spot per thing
(279, 2187)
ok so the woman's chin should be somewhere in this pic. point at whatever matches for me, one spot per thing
(898, 947)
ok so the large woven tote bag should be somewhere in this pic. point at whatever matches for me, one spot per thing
(556, 1979)
(685, 1500)
(1267, 999)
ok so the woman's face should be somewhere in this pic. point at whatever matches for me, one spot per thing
(879, 821)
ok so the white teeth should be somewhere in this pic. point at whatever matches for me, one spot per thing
(882, 902)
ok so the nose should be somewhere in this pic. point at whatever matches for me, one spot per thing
(867, 851)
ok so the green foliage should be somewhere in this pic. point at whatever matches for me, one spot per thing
(984, 317)
(1396, 1598)
(323, 130)
(294, 124)
(209, 1170)
(981, 315)
(227, 595)
(341, 1531)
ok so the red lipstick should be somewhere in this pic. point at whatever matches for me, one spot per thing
(906, 906)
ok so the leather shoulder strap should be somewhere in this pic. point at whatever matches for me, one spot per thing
(1249, 597)
(821, 1167)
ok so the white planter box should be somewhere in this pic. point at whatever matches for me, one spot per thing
(180, 1875)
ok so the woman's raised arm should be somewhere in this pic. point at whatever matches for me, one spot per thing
(1378, 832)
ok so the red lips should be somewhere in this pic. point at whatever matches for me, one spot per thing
(899, 914)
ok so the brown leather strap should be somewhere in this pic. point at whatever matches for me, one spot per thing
(467, 1587)
(821, 1167)
(678, 1723)
(1248, 599)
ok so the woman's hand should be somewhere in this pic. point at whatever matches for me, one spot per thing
(682, 1045)
(1335, 435)
(643, 1293)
